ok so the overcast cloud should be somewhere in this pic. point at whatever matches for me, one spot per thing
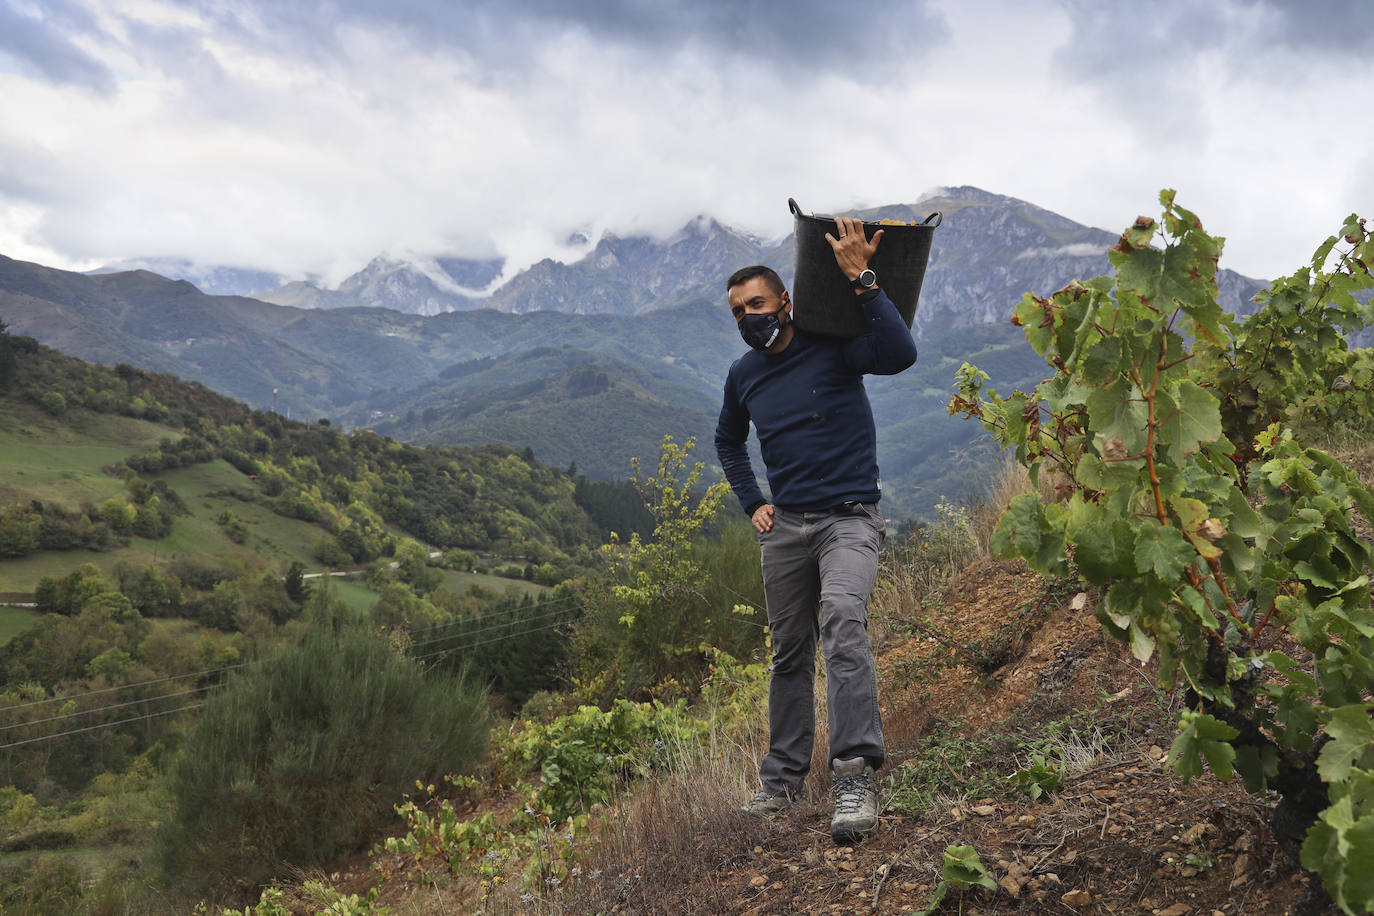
(307, 137)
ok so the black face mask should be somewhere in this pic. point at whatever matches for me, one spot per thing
(761, 331)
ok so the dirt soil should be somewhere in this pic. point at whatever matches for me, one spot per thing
(1123, 835)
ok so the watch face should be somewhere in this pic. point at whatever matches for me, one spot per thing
(868, 278)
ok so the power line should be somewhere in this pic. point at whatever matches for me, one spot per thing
(156, 680)
(191, 706)
(88, 712)
(91, 728)
(471, 646)
(498, 626)
(508, 613)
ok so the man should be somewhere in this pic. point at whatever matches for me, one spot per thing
(820, 535)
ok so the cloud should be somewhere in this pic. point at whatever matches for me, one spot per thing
(504, 35)
(307, 137)
(40, 39)
(1314, 25)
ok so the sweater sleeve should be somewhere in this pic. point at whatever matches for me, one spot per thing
(888, 347)
(732, 435)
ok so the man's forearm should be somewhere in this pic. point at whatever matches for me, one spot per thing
(739, 471)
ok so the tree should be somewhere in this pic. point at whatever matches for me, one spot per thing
(296, 587)
(304, 758)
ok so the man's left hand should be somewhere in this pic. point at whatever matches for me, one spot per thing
(852, 250)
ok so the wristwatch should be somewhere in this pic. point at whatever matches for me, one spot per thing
(866, 279)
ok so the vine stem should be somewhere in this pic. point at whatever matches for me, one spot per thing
(1152, 424)
(1264, 621)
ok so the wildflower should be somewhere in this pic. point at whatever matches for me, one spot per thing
(594, 874)
(576, 871)
(526, 897)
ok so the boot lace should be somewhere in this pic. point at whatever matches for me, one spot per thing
(850, 792)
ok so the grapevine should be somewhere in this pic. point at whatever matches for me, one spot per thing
(1180, 446)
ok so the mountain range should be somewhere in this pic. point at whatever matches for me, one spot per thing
(590, 362)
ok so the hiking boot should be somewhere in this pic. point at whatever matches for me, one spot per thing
(767, 803)
(856, 801)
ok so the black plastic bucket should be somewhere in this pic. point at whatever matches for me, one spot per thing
(823, 300)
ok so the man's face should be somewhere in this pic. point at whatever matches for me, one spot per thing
(753, 297)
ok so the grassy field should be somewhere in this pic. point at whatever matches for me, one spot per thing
(461, 582)
(13, 621)
(60, 461)
(352, 593)
(206, 490)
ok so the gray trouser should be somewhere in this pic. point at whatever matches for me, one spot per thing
(818, 571)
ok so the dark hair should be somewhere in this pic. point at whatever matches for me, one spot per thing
(745, 274)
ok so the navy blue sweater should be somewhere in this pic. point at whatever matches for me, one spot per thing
(811, 413)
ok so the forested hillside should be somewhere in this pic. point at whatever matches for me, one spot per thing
(588, 363)
(194, 593)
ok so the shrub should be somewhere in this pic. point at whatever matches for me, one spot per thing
(662, 601)
(583, 756)
(305, 758)
(53, 885)
(54, 403)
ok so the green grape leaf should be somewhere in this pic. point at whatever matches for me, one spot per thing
(1258, 767)
(1205, 736)
(1357, 888)
(962, 868)
(1244, 521)
(1309, 573)
(1137, 264)
(1352, 737)
(1196, 419)
(1104, 551)
(1036, 315)
(1339, 847)
(1025, 531)
(1103, 362)
(1162, 550)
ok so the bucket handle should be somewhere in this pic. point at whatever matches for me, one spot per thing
(937, 216)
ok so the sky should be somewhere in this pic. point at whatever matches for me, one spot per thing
(306, 137)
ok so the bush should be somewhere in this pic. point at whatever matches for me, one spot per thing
(305, 758)
(581, 757)
(53, 885)
(54, 403)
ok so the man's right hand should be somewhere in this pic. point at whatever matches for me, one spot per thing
(763, 519)
(852, 250)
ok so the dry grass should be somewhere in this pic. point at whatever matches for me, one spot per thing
(936, 553)
(671, 832)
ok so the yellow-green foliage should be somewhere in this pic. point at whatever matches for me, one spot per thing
(662, 603)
